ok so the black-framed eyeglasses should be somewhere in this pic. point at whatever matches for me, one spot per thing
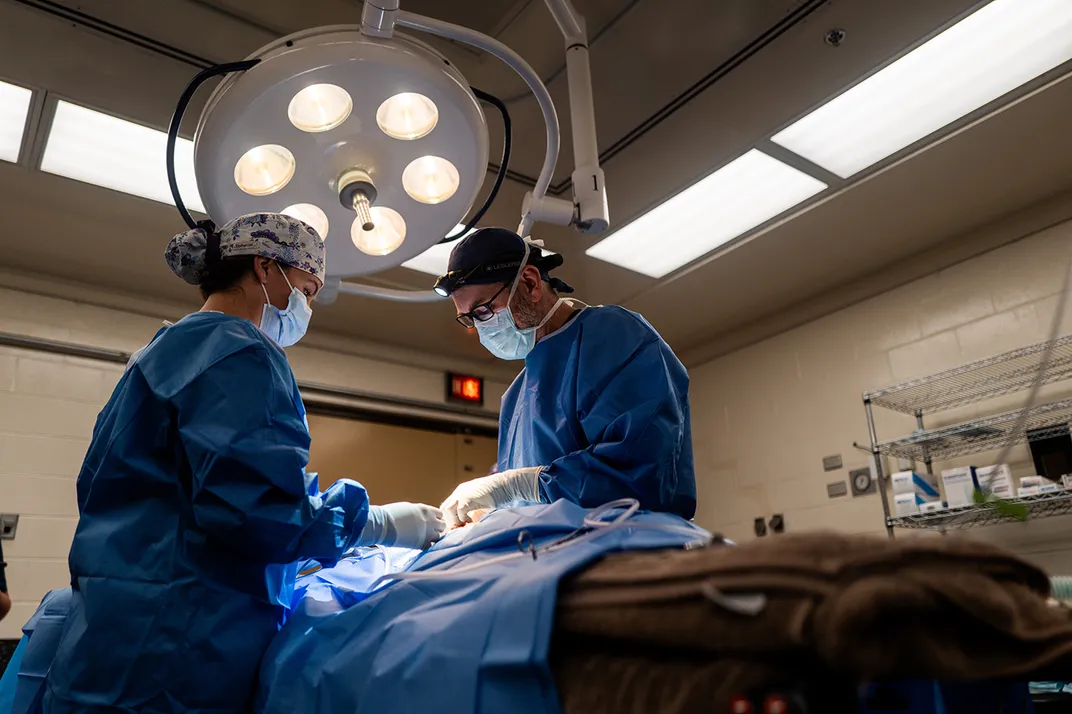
(480, 313)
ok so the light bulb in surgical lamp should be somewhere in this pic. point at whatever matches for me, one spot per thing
(407, 116)
(385, 237)
(265, 169)
(319, 107)
(430, 179)
(310, 214)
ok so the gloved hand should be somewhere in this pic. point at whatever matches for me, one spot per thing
(489, 492)
(404, 525)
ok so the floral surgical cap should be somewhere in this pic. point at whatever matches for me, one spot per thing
(267, 235)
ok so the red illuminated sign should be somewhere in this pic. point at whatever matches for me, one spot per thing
(465, 389)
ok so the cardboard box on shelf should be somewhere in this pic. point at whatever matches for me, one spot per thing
(926, 485)
(995, 479)
(959, 484)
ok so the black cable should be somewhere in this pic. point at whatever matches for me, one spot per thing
(176, 120)
(504, 165)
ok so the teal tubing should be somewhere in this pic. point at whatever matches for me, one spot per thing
(1061, 587)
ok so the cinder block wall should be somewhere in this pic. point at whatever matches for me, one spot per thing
(765, 416)
(48, 405)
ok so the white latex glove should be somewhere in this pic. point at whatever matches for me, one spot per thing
(490, 492)
(403, 525)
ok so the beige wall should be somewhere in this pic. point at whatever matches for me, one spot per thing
(48, 405)
(766, 415)
(396, 463)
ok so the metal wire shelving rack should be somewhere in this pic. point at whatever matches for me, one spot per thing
(978, 381)
(974, 382)
(1044, 505)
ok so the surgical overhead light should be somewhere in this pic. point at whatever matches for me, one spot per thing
(310, 214)
(319, 107)
(430, 179)
(363, 126)
(407, 116)
(387, 233)
(263, 170)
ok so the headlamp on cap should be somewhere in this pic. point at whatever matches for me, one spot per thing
(446, 284)
(485, 274)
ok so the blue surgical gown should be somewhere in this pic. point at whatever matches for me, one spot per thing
(603, 405)
(194, 509)
(41, 637)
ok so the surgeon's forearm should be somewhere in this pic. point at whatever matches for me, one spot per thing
(330, 536)
(588, 480)
(375, 529)
(523, 484)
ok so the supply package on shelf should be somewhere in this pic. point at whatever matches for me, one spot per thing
(1045, 505)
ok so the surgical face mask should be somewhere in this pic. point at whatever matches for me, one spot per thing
(504, 339)
(286, 327)
(501, 335)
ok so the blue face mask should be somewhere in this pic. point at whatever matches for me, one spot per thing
(501, 335)
(286, 327)
(504, 339)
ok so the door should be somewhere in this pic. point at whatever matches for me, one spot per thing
(396, 463)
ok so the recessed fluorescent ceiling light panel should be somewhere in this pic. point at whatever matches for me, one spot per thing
(434, 260)
(741, 195)
(107, 151)
(14, 105)
(987, 54)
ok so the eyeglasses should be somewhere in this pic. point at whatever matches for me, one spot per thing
(480, 313)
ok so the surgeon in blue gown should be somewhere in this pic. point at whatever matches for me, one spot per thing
(600, 410)
(194, 501)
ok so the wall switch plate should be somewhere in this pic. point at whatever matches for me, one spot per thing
(761, 527)
(863, 482)
(777, 523)
(9, 522)
(837, 489)
(832, 463)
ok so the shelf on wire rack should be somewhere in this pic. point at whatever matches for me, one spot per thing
(987, 378)
(979, 435)
(1045, 505)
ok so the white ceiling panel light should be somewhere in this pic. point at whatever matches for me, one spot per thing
(107, 151)
(434, 260)
(984, 56)
(14, 106)
(733, 200)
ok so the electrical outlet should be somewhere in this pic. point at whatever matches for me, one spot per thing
(9, 522)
